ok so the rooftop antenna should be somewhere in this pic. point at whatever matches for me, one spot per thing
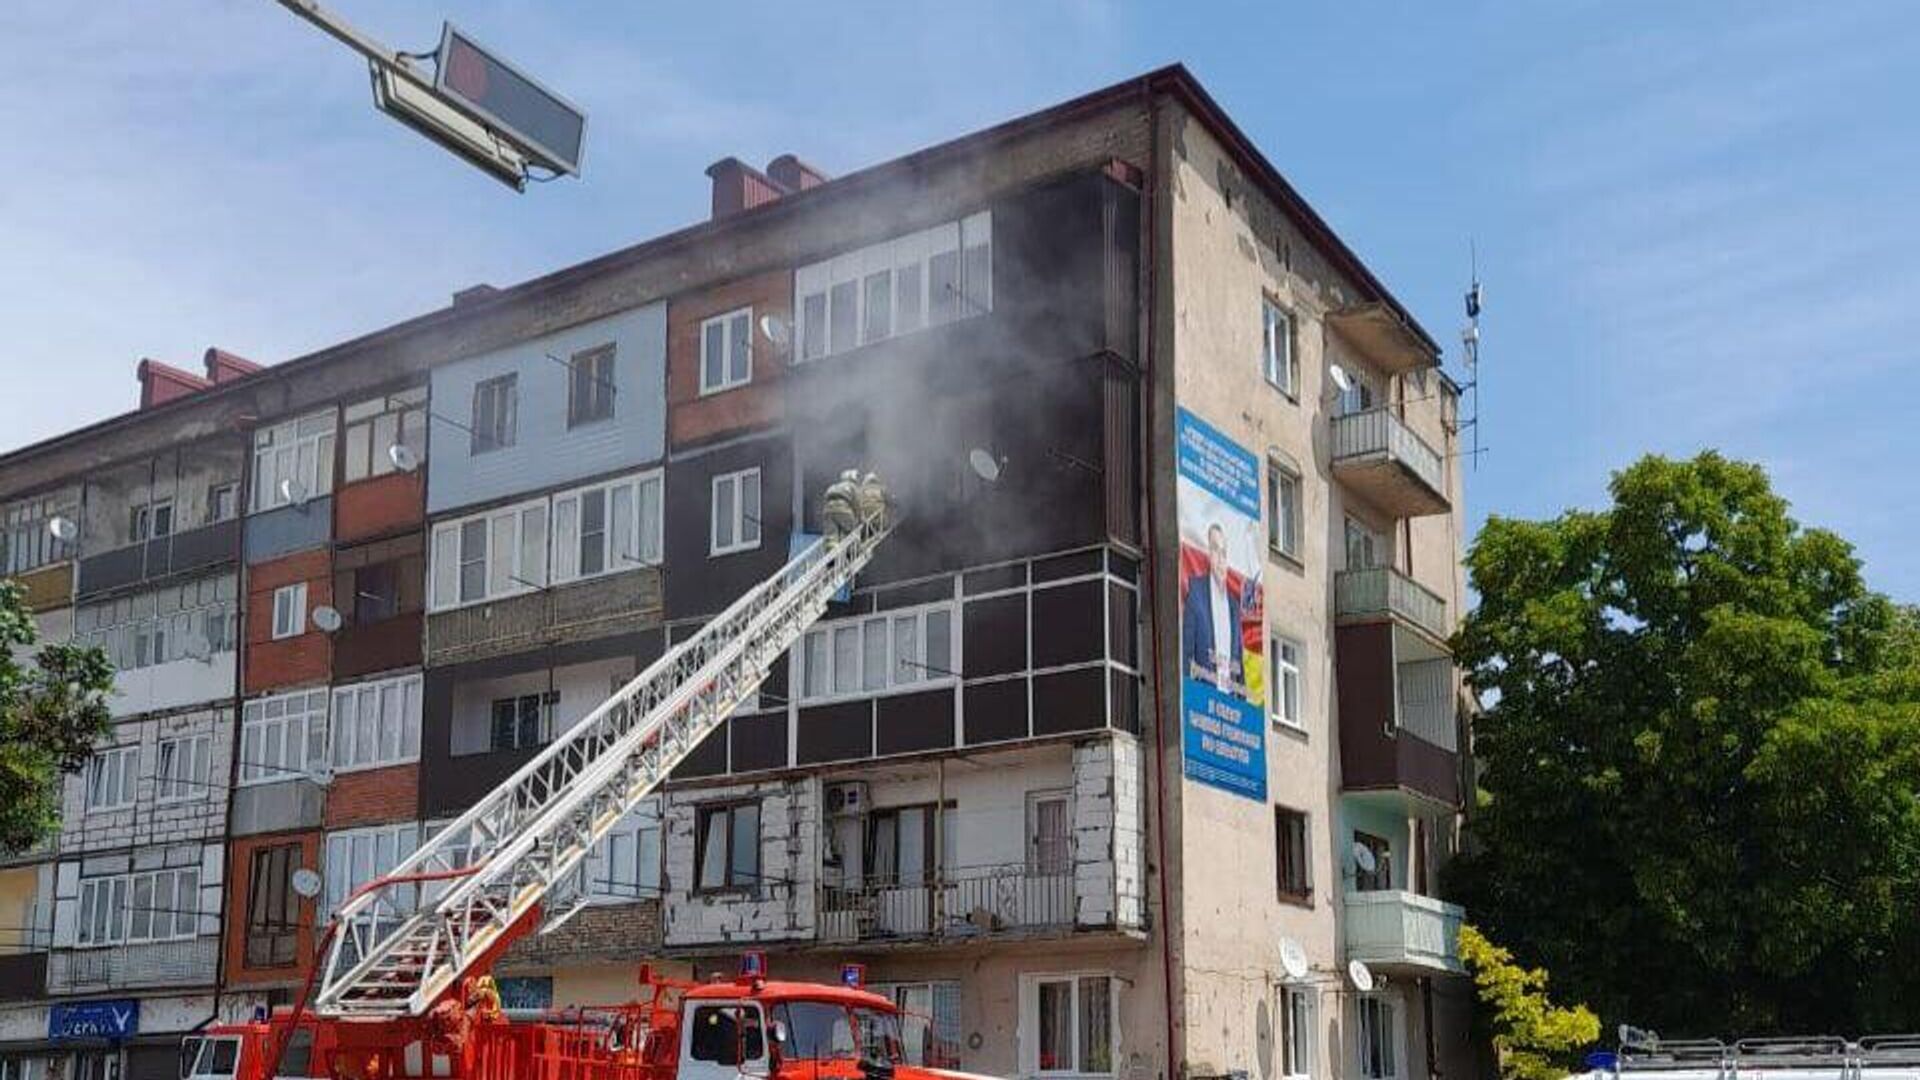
(1470, 351)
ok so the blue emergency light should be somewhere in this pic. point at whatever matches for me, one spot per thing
(753, 965)
(853, 975)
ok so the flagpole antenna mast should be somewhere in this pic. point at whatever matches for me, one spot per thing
(1470, 349)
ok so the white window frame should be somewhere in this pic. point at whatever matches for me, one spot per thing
(509, 418)
(118, 892)
(1299, 1031)
(298, 726)
(370, 427)
(446, 555)
(727, 322)
(143, 520)
(905, 261)
(394, 728)
(1036, 860)
(1279, 348)
(625, 866)
(385, 846)
(112, 779)
(1394, 1032)
(290, 611)
(1029, 1025)
(185, 772)
(740, 520)
(299, 449)
(1284, 524)
(1287, 709)
(549, 705)
(227, 491)
(605, 388)
(817, 661)
(646, 498)
(136, 634)
(25, 526)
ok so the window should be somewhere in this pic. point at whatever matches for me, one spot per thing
(929, 1021)
(496, 407)
(223, 502)
(625, 865)
(26, 532)
(522, 722)
(195, 619)
(1377, 1037)
(375, 426)
(736, 512)
(727, 847)
(726, 351)
(1358, 396)
(110, 778)
(273, 910)
(897, 287)
(1278, 361)
(357, 856)
(726, 1034)
(150, 521)
(898, 650)
(282, 737)
(289, 610)
(1071, 1022)
(1380, 876)
(23, 1068)
(1299, 1031)
(293, 461)
(1290, 855)
(489, 556)
(590, 386)
(376, 593)
(182, 769)
(1283, 508)
(1049, 833)
(607, 528)
(376, 723)
(899, 845)
(158, 905)
(1365, 548)
(1289, 699)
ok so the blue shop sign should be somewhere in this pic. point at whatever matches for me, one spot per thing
(94, 1020)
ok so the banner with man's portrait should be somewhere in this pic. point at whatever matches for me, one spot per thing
(1222, 602)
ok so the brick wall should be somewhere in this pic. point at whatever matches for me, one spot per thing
(692, 418)
(380, 507)
(373, 796)
(240, 873)
(305, 657)
(603, 933)
(580, 611)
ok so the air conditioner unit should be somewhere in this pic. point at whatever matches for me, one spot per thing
(847, 799)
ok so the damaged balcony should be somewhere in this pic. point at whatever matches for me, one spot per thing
(961, 904)
(1404, 933)
(149, 519)
(1399, 722)
(1376, 454)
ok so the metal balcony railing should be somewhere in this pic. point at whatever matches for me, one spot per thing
(1391, 929)
(1377, 432)
(959, 903)
(1382, 590)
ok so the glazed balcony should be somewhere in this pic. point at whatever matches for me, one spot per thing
(1404, 933)
(1376, 454)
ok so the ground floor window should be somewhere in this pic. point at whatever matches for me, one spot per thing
(97, 1065)
(1068, 1024)
(929, 1021)
(23, 1068)
(1376, 1026)
(1298, 1031)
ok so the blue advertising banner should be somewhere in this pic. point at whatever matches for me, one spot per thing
(1222, 610)
(94, 1020)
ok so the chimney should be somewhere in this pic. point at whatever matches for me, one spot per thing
(473, 293)
(738, 186)
(793, 175)
(223, 366)
(161, 383)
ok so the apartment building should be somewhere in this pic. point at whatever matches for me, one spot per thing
(1137, 734)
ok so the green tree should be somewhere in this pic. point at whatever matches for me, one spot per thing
(52, 710)
(1533, 1038)
(1701, 751)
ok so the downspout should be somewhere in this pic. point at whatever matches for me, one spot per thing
(242, 500)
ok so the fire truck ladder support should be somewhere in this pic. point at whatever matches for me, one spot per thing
(391, 957)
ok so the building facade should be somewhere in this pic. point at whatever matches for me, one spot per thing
(1135, 752)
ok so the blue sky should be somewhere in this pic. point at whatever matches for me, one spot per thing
(1695, 221)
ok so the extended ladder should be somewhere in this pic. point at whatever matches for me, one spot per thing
(490, 869)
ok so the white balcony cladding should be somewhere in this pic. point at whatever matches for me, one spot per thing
(170, 646)
(545, 450)
(27, 542)
(1025, 650)
(899, 286)
(133, 920)
(173, 789)
(174, 513)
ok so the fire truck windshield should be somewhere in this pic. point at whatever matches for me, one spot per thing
(826, 1031)
(215, 1057)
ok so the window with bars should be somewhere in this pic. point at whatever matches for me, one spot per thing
(1290, 855)
(126, 909)
(273, 909)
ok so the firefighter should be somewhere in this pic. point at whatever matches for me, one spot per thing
(840, 513)
(873, 501)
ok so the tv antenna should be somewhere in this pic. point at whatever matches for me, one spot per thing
(1470, 352)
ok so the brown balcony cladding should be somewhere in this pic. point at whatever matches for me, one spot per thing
(1396, 687)
(1378, 455)
(381, 591)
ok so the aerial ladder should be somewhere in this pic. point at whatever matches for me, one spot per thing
(407, 940)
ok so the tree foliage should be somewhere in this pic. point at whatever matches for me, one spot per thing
(1701, 759)
(1533, 1038)
(52, 710)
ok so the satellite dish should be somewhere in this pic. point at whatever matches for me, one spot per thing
(306, 883)
(1360, 974)
(327, 618)
(1340, 378)
(403, 457)
(62, 528)
(293, 491)
(775, 329)
(1363, 858)
(984, 465)
(321, 774)
(1293, 958)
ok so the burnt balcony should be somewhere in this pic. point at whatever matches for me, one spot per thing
(1376, 454)
(1399, 721)
(962, 904)
(1404, 933)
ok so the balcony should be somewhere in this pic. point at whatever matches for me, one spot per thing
(1376, 454)
(963, 904)
(1383, 337)
(1404, 933)
(1399, 725)
(190, 962)
(1381, 593)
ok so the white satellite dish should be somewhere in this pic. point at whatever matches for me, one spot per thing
(1340, 378)
(327, 618)
(321, 774)
(1363, 858)
(306, 883)
(403, 457)
(1293, 958)
(62, 528)
(1360, 975)
(775, 329)
(293, 491)
(984, 465)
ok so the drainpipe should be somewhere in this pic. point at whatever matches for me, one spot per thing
(242, 499)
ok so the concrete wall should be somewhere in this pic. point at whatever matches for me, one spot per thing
(782, 907)
(200, 815)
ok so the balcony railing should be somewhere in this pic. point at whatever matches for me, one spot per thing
(953, 904)
(1382, 590)
(1377, 451)
(1393, 930)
